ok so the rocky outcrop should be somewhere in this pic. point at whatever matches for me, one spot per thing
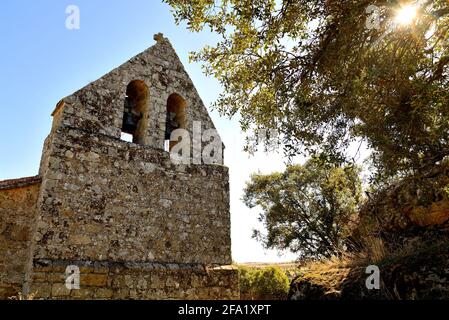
(423, 275)
(415, 201)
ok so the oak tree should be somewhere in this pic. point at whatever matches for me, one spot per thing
(327, 73)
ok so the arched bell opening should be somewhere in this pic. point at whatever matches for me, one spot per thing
(176, 118)
(136, 111)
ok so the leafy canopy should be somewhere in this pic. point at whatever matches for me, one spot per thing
(308, 209)
(326, 73)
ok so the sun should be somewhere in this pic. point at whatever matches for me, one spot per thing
(406, 14)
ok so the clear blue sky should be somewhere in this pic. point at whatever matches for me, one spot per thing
(41, 61)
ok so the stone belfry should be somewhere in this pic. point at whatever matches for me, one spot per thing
(134, 224)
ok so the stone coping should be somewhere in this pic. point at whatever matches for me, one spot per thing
(58, 265)
(19, 183)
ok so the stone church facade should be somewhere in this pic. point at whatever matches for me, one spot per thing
(134, 224)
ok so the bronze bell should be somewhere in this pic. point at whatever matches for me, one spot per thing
(130, 118)
(129, 122)
(171, 124)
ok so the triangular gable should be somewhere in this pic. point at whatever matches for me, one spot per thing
(98, 107)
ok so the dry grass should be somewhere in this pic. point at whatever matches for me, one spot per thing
(328, 274)
(21, 296)
(375, 251)
(331, 273)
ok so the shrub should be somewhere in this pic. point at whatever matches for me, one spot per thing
(247, 276)
(267, 283)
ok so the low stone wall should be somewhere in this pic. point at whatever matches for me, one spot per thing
(111, 280)
(17, 209)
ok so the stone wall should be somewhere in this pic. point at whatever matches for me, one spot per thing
(112, 280)
(137, 225)
(17, 210)
(106, 199)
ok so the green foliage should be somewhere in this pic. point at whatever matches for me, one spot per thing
(317, 73)
(264, 283)
(247, 278)
(308, 209)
